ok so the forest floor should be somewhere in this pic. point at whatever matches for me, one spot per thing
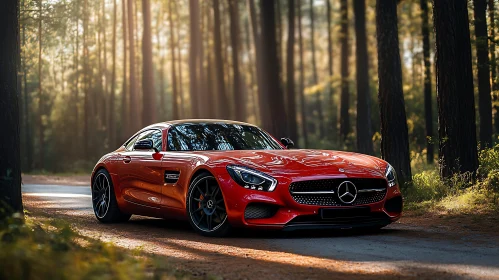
(418, 246)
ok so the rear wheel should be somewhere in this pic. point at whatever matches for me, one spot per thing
(206, 207)
(104, 202)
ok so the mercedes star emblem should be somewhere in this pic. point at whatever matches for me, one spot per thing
(347, 192)
(210, 203)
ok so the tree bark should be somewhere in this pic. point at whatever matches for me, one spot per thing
(318, 100)
(345, 54)
(86, 83)
(193, 48)
(364, 129)
(41, 111)
(175, 111)
(125, 120)
(493, 64)
(148, 91)
(112, 113)
(262, 104)
(394, 135)
(332, 110)
(10, 162)
(455, 99)
(482, 55)
(427, 83)
(303, 105)
(290, 73)
(223, 108)
(135, 117)
(180, 83)
(239, 97)
(277, 125)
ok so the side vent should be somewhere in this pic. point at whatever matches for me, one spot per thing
(171, 176)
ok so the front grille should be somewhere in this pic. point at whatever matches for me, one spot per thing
(320, 192)
(260, 211)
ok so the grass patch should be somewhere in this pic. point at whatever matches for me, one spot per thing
(459, 194)
(52, 250)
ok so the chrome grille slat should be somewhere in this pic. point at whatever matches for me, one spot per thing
(323, 192)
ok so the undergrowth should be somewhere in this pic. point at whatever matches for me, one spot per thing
(459, 194)
(52, 250)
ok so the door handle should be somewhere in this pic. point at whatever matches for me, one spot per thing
(127, 159)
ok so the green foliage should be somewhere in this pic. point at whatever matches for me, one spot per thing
(33, 250)
(459, 193)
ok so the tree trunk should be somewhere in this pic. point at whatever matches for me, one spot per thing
(105, 114)
(329, 45)
(482, 55)
(125, 118)
(455, 100)
(263, 105)
(303, 105)
(180, 84)
(320, 123)
(193, 48)
(148, 92)
(41, 111)
(427, 83)
(332, 111)
(223, 109)
(493, 64)
(273, 91)
(290, 73)
(345, 53)
(394, 137)
(175, 111)
(134, 120)
(86, 81)
(111, 124)
(10, 164)
(239, 97)
(364, 129)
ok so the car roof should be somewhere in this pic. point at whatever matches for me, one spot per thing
(193, 121)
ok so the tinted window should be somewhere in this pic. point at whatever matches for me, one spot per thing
(218, 136)
(155, 136)
(129, 144)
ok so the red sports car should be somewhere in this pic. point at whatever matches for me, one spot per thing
(222, 174)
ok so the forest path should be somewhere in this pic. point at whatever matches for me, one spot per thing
(398, 251)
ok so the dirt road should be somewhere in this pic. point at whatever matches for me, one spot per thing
(398, 251)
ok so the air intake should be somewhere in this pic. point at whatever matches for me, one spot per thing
(260, 211)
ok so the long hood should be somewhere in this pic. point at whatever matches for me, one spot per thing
(303, 162)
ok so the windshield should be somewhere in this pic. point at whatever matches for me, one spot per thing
(219, 136)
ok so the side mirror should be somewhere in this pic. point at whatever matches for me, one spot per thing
(145, 144)
(288, 143)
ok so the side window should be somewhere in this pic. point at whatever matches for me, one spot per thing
(129, 145)
(155, 135)
(157, 139)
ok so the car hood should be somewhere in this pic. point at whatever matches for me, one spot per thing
(301, 162)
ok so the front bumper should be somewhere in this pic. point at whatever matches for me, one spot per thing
(290, 215)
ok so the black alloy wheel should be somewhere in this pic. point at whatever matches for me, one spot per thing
(104, 201)
(206, 207)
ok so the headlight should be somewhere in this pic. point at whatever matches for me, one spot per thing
(251, 179)
(391, 176)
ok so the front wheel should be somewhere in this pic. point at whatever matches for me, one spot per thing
(206, 207)
(104, 202)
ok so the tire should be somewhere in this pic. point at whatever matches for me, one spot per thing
(104, 202)
(205, 207)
